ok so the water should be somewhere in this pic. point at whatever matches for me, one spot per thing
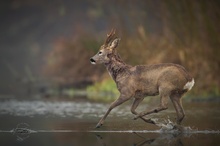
(35, 122)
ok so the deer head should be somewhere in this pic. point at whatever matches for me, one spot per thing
(106, 49)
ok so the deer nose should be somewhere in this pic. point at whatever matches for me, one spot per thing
(92, 60)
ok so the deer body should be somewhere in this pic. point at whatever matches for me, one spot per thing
(167, 80)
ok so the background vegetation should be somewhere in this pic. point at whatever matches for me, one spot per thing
(152, 31)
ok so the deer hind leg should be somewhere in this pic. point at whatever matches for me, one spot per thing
(135, 105)
(177, 103)
(163, 106)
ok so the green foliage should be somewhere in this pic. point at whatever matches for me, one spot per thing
(105, 90)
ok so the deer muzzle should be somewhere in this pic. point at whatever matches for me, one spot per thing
(92, 61)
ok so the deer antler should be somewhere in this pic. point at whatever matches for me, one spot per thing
(110, 37)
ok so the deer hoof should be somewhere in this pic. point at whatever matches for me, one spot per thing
(152, 121)
(178, 127)
(98, 125)
(136, 117)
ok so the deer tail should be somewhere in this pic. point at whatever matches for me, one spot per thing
(188, 86)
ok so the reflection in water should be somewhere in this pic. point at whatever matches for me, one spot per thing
(70, 123)
(163, 136)
(172, 139)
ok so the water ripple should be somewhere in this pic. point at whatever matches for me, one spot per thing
(56, 108)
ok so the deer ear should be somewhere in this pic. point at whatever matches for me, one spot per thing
(115, 43)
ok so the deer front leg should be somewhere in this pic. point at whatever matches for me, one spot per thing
(116, 103)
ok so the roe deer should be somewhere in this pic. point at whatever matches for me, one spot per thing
(167, 80)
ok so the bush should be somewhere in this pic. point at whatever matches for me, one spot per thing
(105, 90)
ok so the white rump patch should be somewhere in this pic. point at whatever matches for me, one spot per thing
(189, 85)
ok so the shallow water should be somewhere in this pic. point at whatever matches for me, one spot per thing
(36, 122)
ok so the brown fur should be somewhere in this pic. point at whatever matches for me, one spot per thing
(167, 80)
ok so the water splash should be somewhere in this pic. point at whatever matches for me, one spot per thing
(167, 126)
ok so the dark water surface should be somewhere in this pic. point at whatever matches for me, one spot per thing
(69, 123)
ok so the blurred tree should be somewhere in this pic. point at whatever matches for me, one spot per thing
(184, 32)
(68, 62)
(152, 31)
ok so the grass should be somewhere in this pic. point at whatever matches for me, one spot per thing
(105, 90)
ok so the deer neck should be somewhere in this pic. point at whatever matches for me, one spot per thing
(116, 67)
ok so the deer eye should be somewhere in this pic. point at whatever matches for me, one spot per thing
(100, 52)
